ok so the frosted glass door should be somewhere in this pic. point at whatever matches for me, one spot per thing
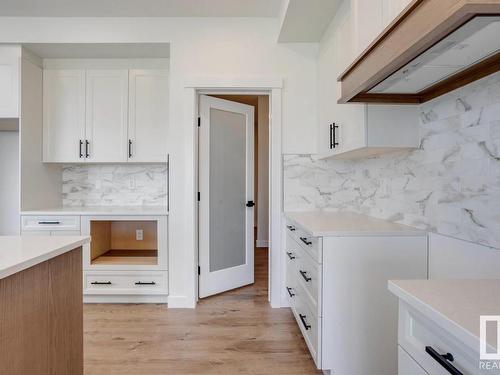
(226, 187)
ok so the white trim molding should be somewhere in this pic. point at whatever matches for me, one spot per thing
(249, 83)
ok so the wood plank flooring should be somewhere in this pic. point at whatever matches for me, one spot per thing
(236, 332)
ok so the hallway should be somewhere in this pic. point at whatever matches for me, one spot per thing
(236, 332)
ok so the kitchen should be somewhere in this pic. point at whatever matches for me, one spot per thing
(424, 173)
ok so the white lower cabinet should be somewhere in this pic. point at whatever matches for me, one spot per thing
(125, 262)
(407, 365)
(337, 289)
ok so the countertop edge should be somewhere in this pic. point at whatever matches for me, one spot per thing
(42, 258)
(455, 329)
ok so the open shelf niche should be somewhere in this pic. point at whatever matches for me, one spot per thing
(115, 242)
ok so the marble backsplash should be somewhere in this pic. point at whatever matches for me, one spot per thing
(450, 185)
(114, 185)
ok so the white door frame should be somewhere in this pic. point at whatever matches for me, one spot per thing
(260, 86)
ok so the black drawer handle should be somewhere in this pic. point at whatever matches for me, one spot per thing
(444, 360)
(304, 239)
(303, 319)
(129, 148)
(49, 222)
(304, 275)
(291, 228)
(290, 291)
(81, 152)
(101, 282)
(143, 283)
(290, 255)
(87, 145)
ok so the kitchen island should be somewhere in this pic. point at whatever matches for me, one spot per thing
(41, 305)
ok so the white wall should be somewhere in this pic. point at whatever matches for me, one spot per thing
(203, 47)
(9, 183)
(263, 171)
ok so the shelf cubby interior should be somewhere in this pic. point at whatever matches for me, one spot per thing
(115, 242)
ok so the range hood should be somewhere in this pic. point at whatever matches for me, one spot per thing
(433, 47)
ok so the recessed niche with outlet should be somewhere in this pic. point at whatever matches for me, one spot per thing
(118, 242)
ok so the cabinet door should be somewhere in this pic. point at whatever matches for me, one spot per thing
(106, 115)
(63, 115)
(391, 9)
(148, 115)
(9, 82)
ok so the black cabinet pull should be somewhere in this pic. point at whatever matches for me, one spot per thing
(87, 144)
(80, 149)
(303, 319)
(291, 228)
(290, 291)
(143, 283)
(290, 255)
(101, 282)
(304, 239)
(333, 138)
(250, 204)
(49, 222)
(129, 148)
(444, 360)
(304, 275)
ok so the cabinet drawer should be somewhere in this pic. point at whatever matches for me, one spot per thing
(312, 245)
(407, 365)
(307, 271)
(50, 223)
(309, 324)
(416, 333)
(125, 282)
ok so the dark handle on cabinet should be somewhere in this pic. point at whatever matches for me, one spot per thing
(250, 204)
(291, 228)
(304, 239)
(49, 222)
(129, 148)
(101, 282)
(290, 291)
(303, 319)
(143, 283)
(290, 255)
(87, 144)
(333, 138)
(80, 149)
(304, 275)
(444, 360)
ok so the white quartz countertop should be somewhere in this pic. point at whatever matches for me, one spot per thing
(324, 224)
(455, 305)
(18, 253)
(101, 210)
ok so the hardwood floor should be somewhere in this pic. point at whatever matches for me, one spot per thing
(236, 332)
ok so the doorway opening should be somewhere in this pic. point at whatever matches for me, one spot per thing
(233, 177)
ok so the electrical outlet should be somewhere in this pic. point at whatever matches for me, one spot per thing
(139, 234)
(131, 183)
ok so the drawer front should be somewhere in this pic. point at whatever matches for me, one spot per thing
(125, 282)
(50, 223)
(417, 335)
(407, 365)
(307, 271)
(309, 324)
(312, 245)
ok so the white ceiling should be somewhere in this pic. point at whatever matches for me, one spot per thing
(140, 8)
(99, 50)
(306, 21)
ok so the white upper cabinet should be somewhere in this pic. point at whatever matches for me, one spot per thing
(106, 115)
(9, 81)
(64, 115)
(357, 130)
(148, 115)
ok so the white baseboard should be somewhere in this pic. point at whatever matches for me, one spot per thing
(181, 302)
(262, 243)
(104, 298)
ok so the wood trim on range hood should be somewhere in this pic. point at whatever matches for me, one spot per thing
(421, 25)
